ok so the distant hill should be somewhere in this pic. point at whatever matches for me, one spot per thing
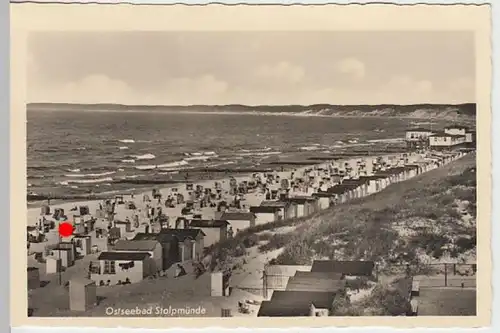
(441, 111)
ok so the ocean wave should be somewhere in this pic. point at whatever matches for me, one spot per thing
(144, 157)
(74, 170)
(117, 191)
(131, 176)
(168, 173)
(268, 153)
(357, 145)
(222, 163)
(145, 167)
(123, 147)
(388, 140)
(173, 164)
(127, 141)
(165, 166)
(199, 158)
(90, 181)
(255, 150)
(128, 161)
(310, 148)
(206, 153)
(35, 177)
(91, 174)
(178, 169)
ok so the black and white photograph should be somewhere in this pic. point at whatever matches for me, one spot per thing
(251, 173)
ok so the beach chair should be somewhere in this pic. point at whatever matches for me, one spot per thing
(415, 289)
(414, 307)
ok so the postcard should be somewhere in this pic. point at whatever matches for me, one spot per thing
(251, 165)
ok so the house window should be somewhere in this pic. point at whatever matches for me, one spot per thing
(109, 267)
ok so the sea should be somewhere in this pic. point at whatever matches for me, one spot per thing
(77, 153)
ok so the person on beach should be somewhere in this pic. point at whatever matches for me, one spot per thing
(179, 271)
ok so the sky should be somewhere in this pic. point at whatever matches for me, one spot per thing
(252, 68)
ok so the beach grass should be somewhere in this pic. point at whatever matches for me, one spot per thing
(363, 229)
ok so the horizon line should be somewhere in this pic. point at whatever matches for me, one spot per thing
(247, 105)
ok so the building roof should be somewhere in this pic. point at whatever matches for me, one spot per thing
(133, 256)
(208, 223)
(135, 245)
(456, 127)
(239, 216)
(182, 234)
(283, 309)
(285, 270)
(264, 209)
(81, 281)
(319, 299)
(167, 235)
(320, 275)
(306, 283)
(272, 203)
(341, 188)
(357, 182)
(162, 238)
(372, 177)
(443, 134)
(58, 248)
(355, 268)
(324, 194)
(390, 171)
(301, 199)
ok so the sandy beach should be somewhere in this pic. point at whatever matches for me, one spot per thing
(251, 199)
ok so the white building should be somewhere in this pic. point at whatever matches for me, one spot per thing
(415, 134)
(470, 136)
(445, 140)
(417, 137)
(455, 130)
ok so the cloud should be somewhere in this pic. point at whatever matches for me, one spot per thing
(202, 90)
(95, 88)
(403, 89)
(280, 84)
(282, 72)
(100, 88)
(351, 66)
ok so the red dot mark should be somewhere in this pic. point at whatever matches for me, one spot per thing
(65, 229)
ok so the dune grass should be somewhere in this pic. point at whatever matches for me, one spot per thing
(363, 229)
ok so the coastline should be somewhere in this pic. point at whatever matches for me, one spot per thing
(284, 114)
(33, 208)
